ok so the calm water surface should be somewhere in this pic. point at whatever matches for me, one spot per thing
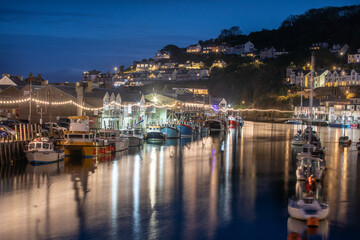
(218, 187)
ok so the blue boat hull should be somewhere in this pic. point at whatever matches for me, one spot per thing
(171, 132)
(186, 130)
(338, 125)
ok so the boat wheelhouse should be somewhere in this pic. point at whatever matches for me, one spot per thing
(154, 134)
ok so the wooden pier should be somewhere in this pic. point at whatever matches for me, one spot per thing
(12, 147)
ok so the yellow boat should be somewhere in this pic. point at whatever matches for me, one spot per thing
(80, 141)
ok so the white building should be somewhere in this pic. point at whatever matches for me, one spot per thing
(354, 58)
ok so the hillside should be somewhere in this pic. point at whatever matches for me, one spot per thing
(260, 84)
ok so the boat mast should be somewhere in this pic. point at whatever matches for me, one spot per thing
(312, 84)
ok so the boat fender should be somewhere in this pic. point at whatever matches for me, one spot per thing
(94, 152)
(312, 222)
(293, 236)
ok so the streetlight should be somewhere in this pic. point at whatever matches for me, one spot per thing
(115, 69)
(41, 120)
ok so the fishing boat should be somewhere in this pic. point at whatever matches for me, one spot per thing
(344, 140)
(241, 121)
(41, 150)
(135, 140)
(308, 207)
(358, 145)
(309, 166)
(80, 141)
(233, 122)
(215, 125)
(172, 128)
(205, 129)
(154, 134)
(293, 121)
(118, 141)
(186, 128)
(315, 151)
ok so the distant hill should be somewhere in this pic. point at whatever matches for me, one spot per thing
(261, 85)
(330, 24)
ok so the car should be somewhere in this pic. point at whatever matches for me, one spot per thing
(56, 128)
(10, 123)
(7, 129)
(4, 133)
(64, 125)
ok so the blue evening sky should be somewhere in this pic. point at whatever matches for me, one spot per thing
(60, 39)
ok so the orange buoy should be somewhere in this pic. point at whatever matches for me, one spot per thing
(293, 236)
(312, 222)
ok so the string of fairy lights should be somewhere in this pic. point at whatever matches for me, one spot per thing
(113, 103)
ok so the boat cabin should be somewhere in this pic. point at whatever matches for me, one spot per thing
(41, 146)
(79, 137)
(109, 134)
(310, 164)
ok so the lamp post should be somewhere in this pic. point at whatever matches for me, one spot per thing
(41, 120)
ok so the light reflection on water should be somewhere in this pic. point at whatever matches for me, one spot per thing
(221, 186)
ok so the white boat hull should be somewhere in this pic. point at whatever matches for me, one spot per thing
(121, 145)
(299, 213)
(135, 141)
(44, 157)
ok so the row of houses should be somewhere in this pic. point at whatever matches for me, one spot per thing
(141, 78)
(331, 110)
(222, 48)
(324, 78)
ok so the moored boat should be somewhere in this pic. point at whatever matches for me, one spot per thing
(80, 141)
(308, 207)
(41, 150)
(215, 125)
(118, 141)
(309, 166)
(135, 140)
(154, 134)
(233, 122)
(298, 140)
(186, 129)
(344, 140)
(358, 145)
(171, 130)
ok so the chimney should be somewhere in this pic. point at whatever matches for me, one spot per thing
(79, 97)
(89, 86)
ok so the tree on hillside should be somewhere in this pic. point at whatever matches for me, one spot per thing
(233, 31)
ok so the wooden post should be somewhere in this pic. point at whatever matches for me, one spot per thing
(20, 132)
(1, 154)
(28, 132)
(31, 132)
(9, 147)
(16, 132)
(51, 131)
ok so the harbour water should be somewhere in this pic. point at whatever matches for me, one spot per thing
(222, 186)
